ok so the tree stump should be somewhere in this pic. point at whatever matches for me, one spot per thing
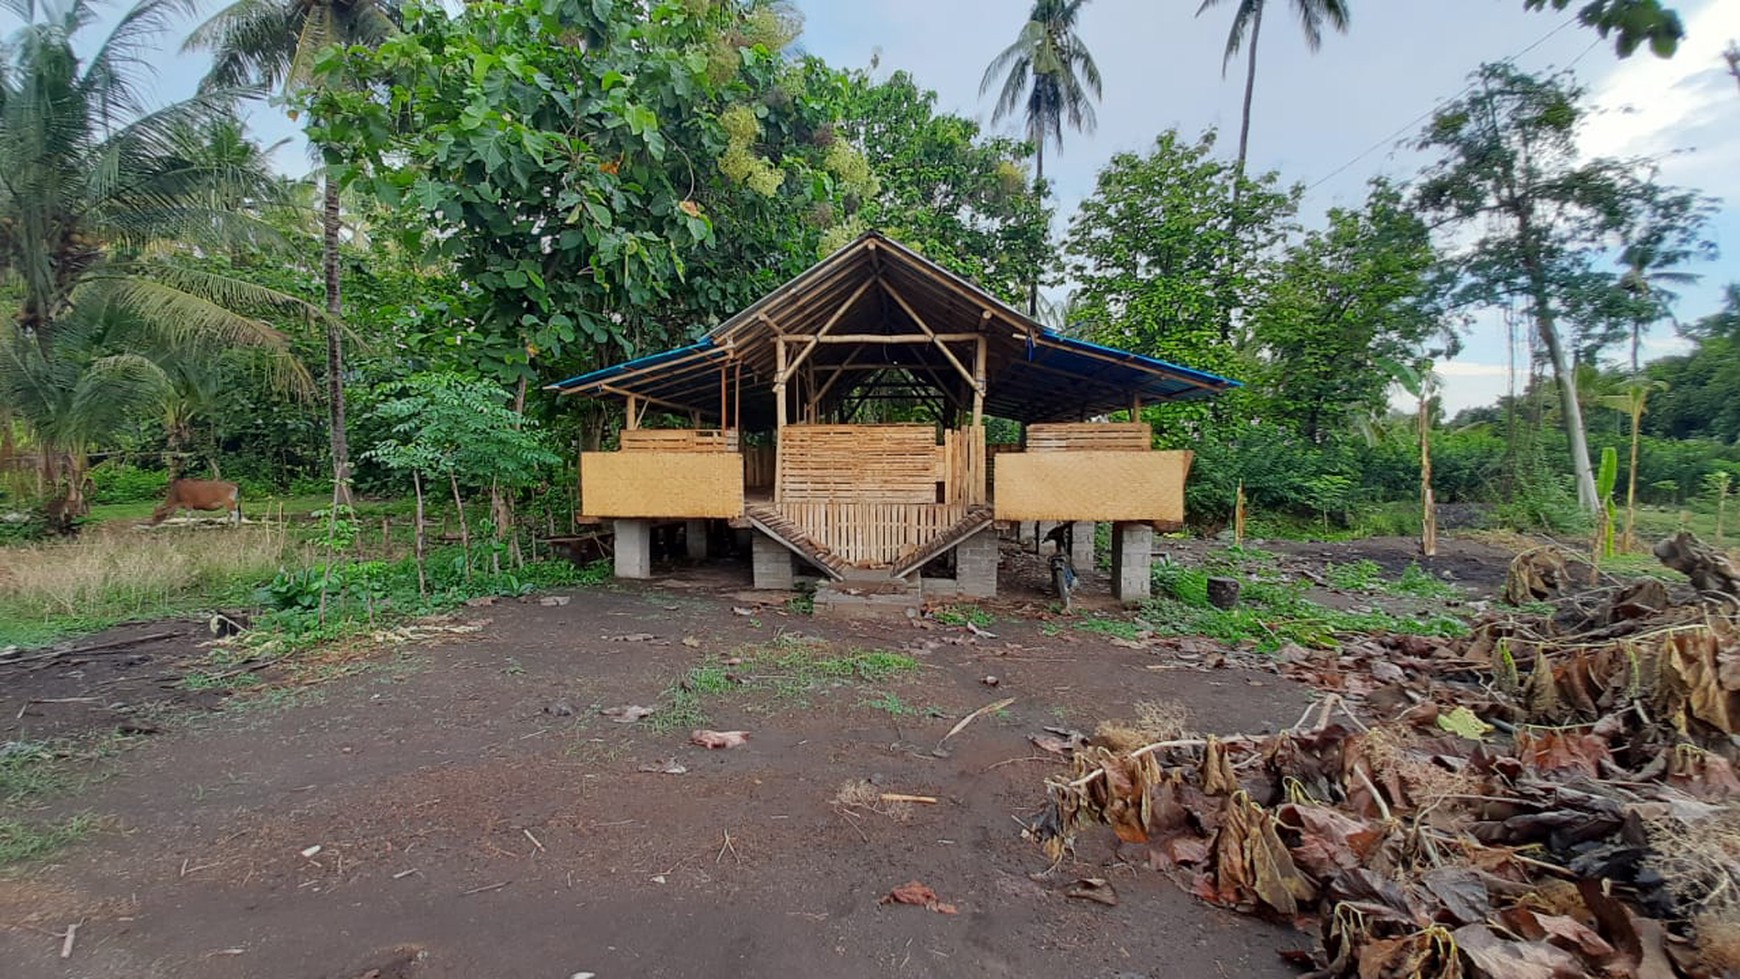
(1708, 568)
(1223, 593)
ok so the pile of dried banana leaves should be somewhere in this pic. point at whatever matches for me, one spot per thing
(1553, 796)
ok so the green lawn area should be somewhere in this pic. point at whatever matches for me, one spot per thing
(254, 508)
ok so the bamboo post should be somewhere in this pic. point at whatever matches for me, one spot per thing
(633, 413)
(778, 416)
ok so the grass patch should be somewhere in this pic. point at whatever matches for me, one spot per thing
(1270, 615)
(1116, 628)
(890, 703)
(21, 840)
(1417, 582)
(788, 669)
(1361, 575)
(961, 615)
(55, 588)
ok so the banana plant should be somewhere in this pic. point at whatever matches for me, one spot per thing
(1632, 401)
(1606, 478)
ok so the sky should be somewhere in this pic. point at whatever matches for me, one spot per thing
(1331, 121)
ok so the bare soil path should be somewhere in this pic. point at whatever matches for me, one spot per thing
(467, 825)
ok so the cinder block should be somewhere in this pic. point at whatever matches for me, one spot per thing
(772, 563)
(976, 564)
(1132, 562)
(1082, 555)
(634, 548)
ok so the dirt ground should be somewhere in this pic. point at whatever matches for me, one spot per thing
(468, 825)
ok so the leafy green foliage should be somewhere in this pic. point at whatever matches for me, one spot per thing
(574, 185)
(1631, 23)
(444, 425)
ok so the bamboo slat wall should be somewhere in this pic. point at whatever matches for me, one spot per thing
(862, 463)
(1091, 437)
(872, 534)
(963, 465)
(678, 440)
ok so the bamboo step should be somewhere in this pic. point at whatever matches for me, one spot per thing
(977, 518)
(777, 525)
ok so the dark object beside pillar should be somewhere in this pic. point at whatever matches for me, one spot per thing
(1223, 593)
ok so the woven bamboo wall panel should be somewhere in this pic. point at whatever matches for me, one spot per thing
(1091, 437)
(1092, 486)
(661, 484)
(677, 440)
(858, 463)
(872, 534)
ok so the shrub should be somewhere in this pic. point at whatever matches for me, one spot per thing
(120, 482)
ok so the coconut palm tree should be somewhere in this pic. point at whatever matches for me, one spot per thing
(1648, 263)
(95, 193)
(1048, 77)
(1247, 25)
(274, 44)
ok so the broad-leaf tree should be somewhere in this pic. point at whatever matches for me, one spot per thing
(1631, 23)
(1534, 217)
(1358, 294)
(1150, 251)
(274, 44)
(943, 188)
(1247, 27)
(570, 160)
(95, 187)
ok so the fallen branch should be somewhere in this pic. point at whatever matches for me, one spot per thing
(115, 645)
(975, 715)
(928, 800)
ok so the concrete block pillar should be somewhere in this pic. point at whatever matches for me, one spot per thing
(976, 564)
(634, 548)
(1132, 561)
(695, 539)
(772, 563)
(1082, 555)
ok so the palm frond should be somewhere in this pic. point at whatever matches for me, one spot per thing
(319, 31)
(111, 394)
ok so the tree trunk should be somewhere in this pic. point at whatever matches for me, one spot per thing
(422, 576)
(464, 528)
(1428, 500)
(1250, 90)
(1038, 191)
(177, 438)
(334, 347)
(1563, 373)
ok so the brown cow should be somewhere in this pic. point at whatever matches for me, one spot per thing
(200, 494)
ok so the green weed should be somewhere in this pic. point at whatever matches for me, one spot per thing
(789, 668)
(891, 704)
(960, 615)
(1270, 615)
(1361, 575)
(1116, 628)
(20, 840)
(1420, 583)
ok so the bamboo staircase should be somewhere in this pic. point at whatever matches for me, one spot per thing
(869, 541)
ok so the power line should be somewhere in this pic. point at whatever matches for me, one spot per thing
(1422, 117)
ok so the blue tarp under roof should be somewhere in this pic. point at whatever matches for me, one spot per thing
(876, 311)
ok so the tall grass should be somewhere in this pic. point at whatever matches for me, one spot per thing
(109, 575)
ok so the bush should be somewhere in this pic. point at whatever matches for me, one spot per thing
(119, 482)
